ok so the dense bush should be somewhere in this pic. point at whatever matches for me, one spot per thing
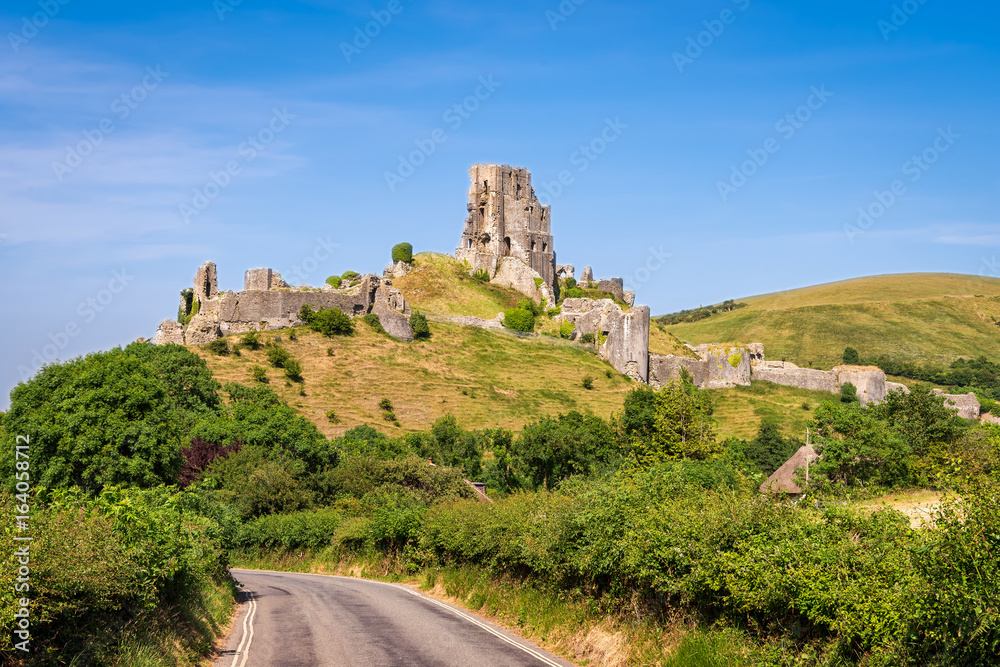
(519, 319)
(848, 393)
(765, 453)
(553, 449)
(851, 357)
(349, 275)
(198, 455)
(218, 346)
(334, 281)
(327, 321)
(110, 418)
(278, 356)
(308, 530)
(418, 322)
(402, 252)
(251, 340)
(293, 370)
(107, 567)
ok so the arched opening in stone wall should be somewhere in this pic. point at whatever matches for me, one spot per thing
(506, 246)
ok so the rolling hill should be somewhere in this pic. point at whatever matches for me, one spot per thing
(924, 317)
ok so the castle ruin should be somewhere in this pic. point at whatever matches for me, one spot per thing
(267, 303)
(507, 220)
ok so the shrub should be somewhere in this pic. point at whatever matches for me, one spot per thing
(349, 275)
(218, 346)
(851, 357)
(552, 312)
(198, 455)
(389, 416)
(259, 374)
(278, 356)
(570, 282)
(331, 416)
(587, 338)
(293, 370)
(848, 393)
(573, 293)
(372, 320)
(385, 404)
(418, 322)
(328, 321)
(292, 337)
(251, 340)
(481, 275)
(566, 330)
(588, 382)
(402, 252)
(519, 319)
(609, 373)
(334, 281)
(309, 530)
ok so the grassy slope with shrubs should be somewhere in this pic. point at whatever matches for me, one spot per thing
(932, 318)
(484, 378)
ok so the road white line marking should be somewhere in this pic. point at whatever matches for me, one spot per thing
(492, 631)
(247, 635)
(443, 605)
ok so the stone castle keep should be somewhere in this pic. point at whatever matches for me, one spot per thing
(506, 220)
(507, 235)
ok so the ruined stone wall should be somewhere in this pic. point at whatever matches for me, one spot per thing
(793, 376)
(664, 369)
(627, 346)
(868, 380)
(269, 304)
(966, 405)
(506, 220)
(719, 367)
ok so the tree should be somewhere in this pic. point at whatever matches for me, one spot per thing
(256, 417)
(768, 451)
(402, 252)
(110, 418)
(858, 447)
(682, 426)
(851, 357)
(551, 450)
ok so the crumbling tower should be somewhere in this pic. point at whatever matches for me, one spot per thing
(506, 220)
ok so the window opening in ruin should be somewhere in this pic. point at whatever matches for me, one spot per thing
(532, 245)
(468, 243)
(545, 247)
(482, 212)
(506, 246)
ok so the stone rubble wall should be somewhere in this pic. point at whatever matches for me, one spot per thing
(966, 405)
(269, 304)
(719, 367)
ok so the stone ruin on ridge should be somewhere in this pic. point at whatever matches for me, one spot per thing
(508, 236)
(267, 303)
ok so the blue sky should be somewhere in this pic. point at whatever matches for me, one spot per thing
(740, 138)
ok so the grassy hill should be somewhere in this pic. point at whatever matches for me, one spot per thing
(482, 377)
(923, 316)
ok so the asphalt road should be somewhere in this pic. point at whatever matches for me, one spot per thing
(305, 620)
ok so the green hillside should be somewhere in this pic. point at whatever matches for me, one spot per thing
(923, 316)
